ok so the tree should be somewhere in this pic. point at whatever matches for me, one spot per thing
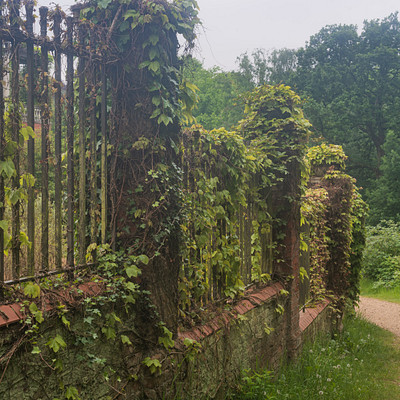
(218, 104)
(273, 67)
(384, 196)
(353, 83)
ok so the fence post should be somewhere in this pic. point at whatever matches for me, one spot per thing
(15, 120)
(286, 201)
(57, 138)
(103, 154)
(82, 146)
(45, 113)
(31, 142)
(70, 145)
(2, 144)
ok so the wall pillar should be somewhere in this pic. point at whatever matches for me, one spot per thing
(287, 209)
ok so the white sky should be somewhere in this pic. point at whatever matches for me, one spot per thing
(232, 27)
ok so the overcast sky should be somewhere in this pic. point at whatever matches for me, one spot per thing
(232, 27)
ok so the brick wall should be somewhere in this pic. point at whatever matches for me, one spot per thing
(250, 334)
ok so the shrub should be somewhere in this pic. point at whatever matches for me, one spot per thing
(382, 254)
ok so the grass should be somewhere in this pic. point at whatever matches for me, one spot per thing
(363, 363)
(369, 290)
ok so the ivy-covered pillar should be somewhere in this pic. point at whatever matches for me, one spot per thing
(286, 209)
(276, 126)
(146, 102)
(340, 188)
(343, 203)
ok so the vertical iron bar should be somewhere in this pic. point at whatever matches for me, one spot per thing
(113, 189)
(82, 153)
(15, 131)
(57, 137)
(45, 139)
(93, 158)
(70, 145)
(103, 154)
(31, 142)
(2, 144)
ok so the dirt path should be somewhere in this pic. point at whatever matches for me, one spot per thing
(382, 313)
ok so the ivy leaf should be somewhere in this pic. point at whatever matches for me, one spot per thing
(130, 299)
(156, 113)
(24, 239)
(4, 225)
(27, 132)
(166, 340)
(38, 315)
(153, 39)
(163, 118)
(131, 286)
(153, 364)
(153, 53)
(10, 148)
(56, 343)
(154, 66)
(88, 320)
(189, 342)
(8, 168)
(132, 271)
(131, 14)
(103, 3)
(156, 100)
(14, 196)
(65, 321)
(125, 340)
(144, 64)
(36, 350)
(72, 393)
(32, 290)
(143, 259)
(109, 332)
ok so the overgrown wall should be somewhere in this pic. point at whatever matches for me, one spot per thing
(252, 333)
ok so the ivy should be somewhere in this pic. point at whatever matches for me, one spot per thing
(103, 317)
(335, 213)
(327, 155)
(142, 35)
(314, 214)
(227, 177)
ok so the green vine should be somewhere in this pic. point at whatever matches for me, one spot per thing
(228, 178)
(327, 155)
(335, 213)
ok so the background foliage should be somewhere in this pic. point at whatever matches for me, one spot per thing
(351, 83)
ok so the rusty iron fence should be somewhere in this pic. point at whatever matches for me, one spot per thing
(51, 218)
(54, 130)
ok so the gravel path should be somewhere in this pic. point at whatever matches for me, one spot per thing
(382, 313)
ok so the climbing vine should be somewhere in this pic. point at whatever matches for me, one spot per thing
(313, 213)
(334, 207)
(228, 181)
(104, 310)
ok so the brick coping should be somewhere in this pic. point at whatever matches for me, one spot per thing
(309, 314)
(252, 298)
(12, 313)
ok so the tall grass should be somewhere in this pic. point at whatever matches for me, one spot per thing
(371, 289)
(361, 363)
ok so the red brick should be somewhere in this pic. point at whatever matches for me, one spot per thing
(10, 314)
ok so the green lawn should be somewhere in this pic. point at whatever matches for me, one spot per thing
(368, 290)
(363, 363)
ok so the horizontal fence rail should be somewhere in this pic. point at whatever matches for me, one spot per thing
(53, 141)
